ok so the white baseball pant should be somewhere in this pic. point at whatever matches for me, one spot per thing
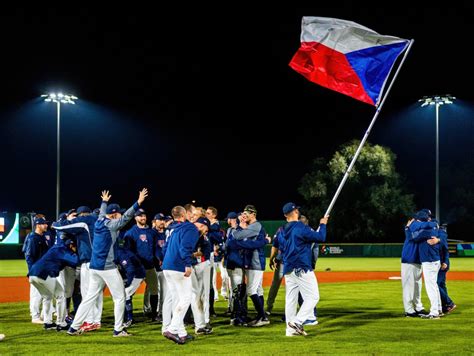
(306, 284)
(181, 290)
(411, 287)
(97, 282)
(49, 289)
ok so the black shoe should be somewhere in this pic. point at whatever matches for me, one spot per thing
(173, 337)
(186, 338)
(62, 328)
(421, 312)
(412, 315)
(51, 326)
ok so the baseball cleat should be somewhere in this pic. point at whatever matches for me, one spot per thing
(173, 337)
(74, 332)
(430, 316)
(186, 338)
(51, 326)
(450, 308)
(37, 321)
(298, 328)
(310, 322)
(122, 333)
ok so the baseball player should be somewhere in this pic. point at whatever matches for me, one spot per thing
(141, 240)
(34, 248)
(43, 275)
(201, 279)
(102, 266)
(82, 228)
(295, 245)
(177, 270)
(133, 273)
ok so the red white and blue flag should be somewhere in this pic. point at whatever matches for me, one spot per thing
(346, 57)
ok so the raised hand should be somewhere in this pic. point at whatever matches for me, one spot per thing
(142, 195)
(105, 195)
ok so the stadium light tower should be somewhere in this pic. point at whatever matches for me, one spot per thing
(58, 98)
(437, 100)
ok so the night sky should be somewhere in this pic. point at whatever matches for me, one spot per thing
(186, 103)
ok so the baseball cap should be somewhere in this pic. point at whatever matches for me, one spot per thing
(83, 209)
(159, 216)
(112, 208)
(428, 211)
(204, 221)
(71, 211)
(232, 215)
(250, 209)
(289, 207)
(96, 211)
(140, 212)
(168, 218)
(62, 216)
(40, 221)
(421, 215)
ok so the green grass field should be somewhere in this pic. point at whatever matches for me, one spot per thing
(17, 268)
(361, 318)
(355, 318)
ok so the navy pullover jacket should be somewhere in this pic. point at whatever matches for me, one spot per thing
(296, 244)
(53, 261)
(180, 246)
(422, 231)
(252, 241)
(82, 228)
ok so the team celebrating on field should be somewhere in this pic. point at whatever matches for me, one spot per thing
(177, 257)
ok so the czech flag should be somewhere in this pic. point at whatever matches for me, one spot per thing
(346, 57)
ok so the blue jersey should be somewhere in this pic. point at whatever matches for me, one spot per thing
(234, 257)
(160, 243)
(422, 231)
(142, 241)
(53, 261)
(34, 248)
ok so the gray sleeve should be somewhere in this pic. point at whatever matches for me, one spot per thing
(250, 232)
(117, 224)
(103, 209)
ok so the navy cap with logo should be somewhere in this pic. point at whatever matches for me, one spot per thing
(232, 215)
(112, 208)
(140, 212)
(204, 221)
(83, 209)
(427, 211)
(159, 216)
(289, 207)
(168, 218)
(40, 221)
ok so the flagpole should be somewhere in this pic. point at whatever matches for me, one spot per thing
(359, 149)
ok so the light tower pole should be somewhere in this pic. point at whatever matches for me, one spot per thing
(437, 100)
(59, 99)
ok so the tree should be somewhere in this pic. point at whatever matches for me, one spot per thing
(373, 205)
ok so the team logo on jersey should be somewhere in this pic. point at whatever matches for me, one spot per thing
(161, 243)
(47, 237)
(143, 237)
(124, 262)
